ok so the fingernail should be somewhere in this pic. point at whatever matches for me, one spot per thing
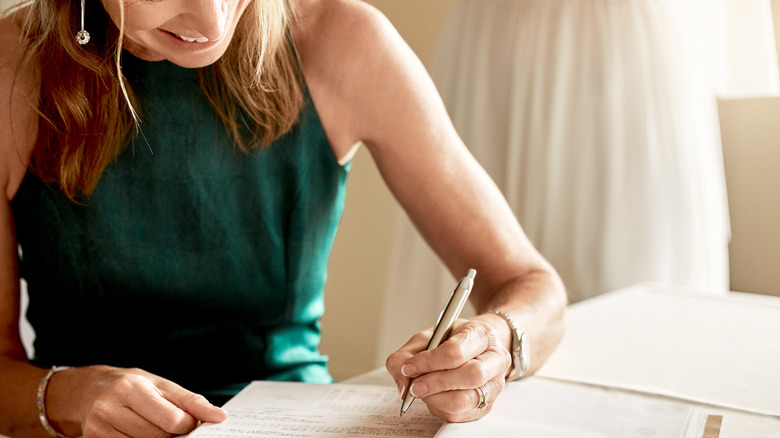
(409, 370)
(418, 389)
(401, 387)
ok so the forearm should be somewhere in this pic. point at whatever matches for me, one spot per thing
(19, 382)
(536, 301)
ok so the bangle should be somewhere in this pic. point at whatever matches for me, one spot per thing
(42, 402)
(520, 349)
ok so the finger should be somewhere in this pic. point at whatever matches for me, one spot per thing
(199, 407)
(463, 405)
(396, 360)
(129, 423)
(476, 372)
(147, 401)
(414, 345)
(193, 404)
(468, 341)
(107, 419)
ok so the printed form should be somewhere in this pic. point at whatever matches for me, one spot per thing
(291, 409)
(533, 407)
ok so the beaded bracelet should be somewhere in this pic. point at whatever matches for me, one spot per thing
(42, 404)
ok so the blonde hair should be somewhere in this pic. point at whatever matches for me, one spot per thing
(87, 112)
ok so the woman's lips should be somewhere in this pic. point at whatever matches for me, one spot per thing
(199, 39)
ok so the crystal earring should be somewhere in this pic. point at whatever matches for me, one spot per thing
(82, 37)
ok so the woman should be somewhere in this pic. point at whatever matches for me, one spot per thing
(175, 222)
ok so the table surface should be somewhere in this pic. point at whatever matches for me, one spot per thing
(689, 319)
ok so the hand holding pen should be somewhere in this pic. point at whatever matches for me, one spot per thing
(443, 328)
(461, 369)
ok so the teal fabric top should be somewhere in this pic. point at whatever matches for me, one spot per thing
(192, 260)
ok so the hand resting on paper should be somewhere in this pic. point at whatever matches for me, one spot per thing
(132, 402)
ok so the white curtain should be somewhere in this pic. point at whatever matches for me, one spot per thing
(598, 120)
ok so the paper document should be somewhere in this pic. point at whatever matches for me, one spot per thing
(541, 408)
(291, 409)
(533, 407)
(719, 350)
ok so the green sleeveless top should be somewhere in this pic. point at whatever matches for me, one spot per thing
(192, 260)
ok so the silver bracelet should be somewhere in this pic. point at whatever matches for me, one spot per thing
(521, 352)
(42, 402)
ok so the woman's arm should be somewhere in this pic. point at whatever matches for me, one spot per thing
(17, 378)
(369, 86)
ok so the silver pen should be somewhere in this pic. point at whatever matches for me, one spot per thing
(444, 324)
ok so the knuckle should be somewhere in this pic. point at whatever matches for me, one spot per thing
(471, 330)
(435, 382)
(193, 399)
(463, 402)
(455, 405)
(455, 352)
(123, 383)
(170, 421)
(175, 421)
(476, 373)
(501, 385)
(99, 410)
(392, 359)
(506, 356)
(91, 429)
(450, 417)
(495, 345)
(425, 334)
(420, 337)
(395, 361)
(96, 419)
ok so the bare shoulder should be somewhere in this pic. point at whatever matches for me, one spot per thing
(337, 25)
(336, 38)
(17, 116)
(354, 61)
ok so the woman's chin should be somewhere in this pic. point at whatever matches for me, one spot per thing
(142, 52)
(186, 57)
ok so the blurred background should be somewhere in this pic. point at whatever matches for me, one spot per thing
(750, 131)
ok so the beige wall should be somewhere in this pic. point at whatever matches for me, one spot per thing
(751, 148)
(751, 142)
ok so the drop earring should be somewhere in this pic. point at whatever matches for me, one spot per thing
(82, 37)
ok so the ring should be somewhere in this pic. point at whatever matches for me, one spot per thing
(482, 397)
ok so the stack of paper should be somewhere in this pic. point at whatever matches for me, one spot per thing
(714, 349)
